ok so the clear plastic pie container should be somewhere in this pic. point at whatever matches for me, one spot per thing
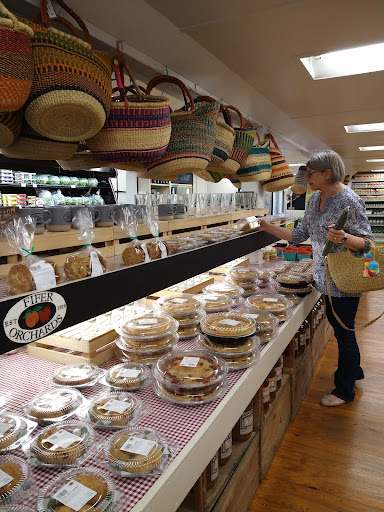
(250, 290)
(267, 335)
(284, 315)
(242, 361)
(290, 296)
(190, 369)
(230, 349)
(188, 331)
(147, 347)
(228, 325)
(77, 375)
(114, 410)
(178, 305)
(142, 358)
(266, 275)
(190, 396)
(14, 430)
(191, 318)
(269, 302)
(299, 292)
(225, 288)
(139, 451)
(54, 405)
(130, 376)
(64, 444)
(264, 320)
(14, 483)
(84, 488)
(17, 508)
(149, 325)
(294, 279)
(243, 274)
(216, 302)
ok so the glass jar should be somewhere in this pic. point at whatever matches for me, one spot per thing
(212, 471)
(301, 333)
(225, 451)
(244, 427)
(279, 374)
(265, 389)
(296, 342)
(307, 330)
(272, 385)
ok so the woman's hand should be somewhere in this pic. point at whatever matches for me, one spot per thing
(335, 235)
(263, 225)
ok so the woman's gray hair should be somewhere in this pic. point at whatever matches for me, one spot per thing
(328, 160)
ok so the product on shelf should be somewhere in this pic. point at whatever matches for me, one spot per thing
(247, 225)
(216, 302)
(265, 392)
(272, 303)
(178, 305)
(14, 431)
(212, 472)
(148, 358)
(130, 376)
(244, 427)
(54, 405)
(114, 410)
(222, 326)
(230, 348)
(225, 451)
(149, 325)
(243, 275)
(77, 375)
(14, 479)
(230, 289)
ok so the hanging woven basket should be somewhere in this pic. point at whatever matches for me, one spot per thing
(300, 185)
(82, 159)
(138, 128)
(70, 97)
(281, 176)
(257, 165)
(16, 61)
(10, 126)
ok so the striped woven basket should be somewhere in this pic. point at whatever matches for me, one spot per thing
(16, 61)
(32, 146)
(82, 159)
(138, 128)
(10, 126)
(192, 138)
(300, 185)
(244, 137)
(281, 177)
(70, 97)
(257, 165)
(215, 177)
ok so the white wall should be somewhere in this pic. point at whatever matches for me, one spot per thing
(126, 186)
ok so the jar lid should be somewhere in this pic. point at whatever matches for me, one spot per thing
(228, 325)
(225, 288)
(128, 376)
(77, 375)
(114, 410)
(14, 479)
(148, 325)
(178, 304)
(54, 404)
(216, 301)
(190, 368)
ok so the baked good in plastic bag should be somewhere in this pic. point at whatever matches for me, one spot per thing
(88, 261)
(155, 248)
(247, 225)
(33, 273)
(127, 218)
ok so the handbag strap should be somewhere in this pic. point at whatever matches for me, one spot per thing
(359, 327)
(9, 21)
(271, 138)
(225, 109)
(188, 100)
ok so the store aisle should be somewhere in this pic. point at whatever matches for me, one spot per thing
(331, 459)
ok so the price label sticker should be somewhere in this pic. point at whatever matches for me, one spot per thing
(97, 269)
(252, 315)
(228, 321)
(138, 445)
(23, 185)
(115, 406)
(43, 275)
(179, 300)
(128, 372)
(192, 362)
(73, 186)
(147, 321)
(5, 478)
(269, 299)
(74, 495)
(63, 439)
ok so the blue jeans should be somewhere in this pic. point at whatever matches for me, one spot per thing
(348, 368)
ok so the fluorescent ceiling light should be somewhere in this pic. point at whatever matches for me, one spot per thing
(359, 128)
(371, 148)
(375, 160)
(295, 165)
(364, 59)
(377, 170)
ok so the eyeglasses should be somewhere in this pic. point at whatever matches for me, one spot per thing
(308, 174)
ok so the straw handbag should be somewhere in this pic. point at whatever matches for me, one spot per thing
(281, 177)
(138, 128)
(300, 185)
(192, 137)
(16, 61)
(32, 146)
(70, 97)
(347, 272)
(244, 137)
(257, 165)
(10, 126)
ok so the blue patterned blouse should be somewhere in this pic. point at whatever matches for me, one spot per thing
(315, 225)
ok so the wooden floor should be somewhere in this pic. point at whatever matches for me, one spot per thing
(332, 459)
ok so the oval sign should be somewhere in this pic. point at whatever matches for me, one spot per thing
(35, 316)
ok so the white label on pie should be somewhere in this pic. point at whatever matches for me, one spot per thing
(192, 362)
(43, 275)
(115, 406)
(63, 439)
(179, 300)
(97, 269)
(252, 315)
(147, 321)
(74, 495)
(53, 399)
(138, 445)
(75, 372)
(4, 427)
(269, 299)
(4, 478)
(128, 372)
(228, 321)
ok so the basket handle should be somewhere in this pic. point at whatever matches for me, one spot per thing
(46, 20)
(9, 20)
(164, 79)
(231, 107)
(270, 137)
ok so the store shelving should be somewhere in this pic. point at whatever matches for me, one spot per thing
(363, 187)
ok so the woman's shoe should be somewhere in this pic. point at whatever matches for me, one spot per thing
(327, 401)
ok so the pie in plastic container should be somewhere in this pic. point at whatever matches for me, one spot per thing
(14, 479)
(54, 405)
(140, 451)
(14, 430)
(129, 376)
(147, 346)
(77, 375)
(230, 349)
(264, 320)
(191, 318)
(89, 490)
(300, 292)
(228, 325)
(190, 396)
(242, 361)
(148, 325)
(225, 288)
(269, 302)
(115, 410)
(217, 302)
(63, 444)
(178, 305)
(17, 508)
(148, 358)
(240, 275)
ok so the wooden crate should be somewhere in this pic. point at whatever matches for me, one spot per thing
(275, 423)
(65, 348)
(192, 288)
(301, 380)
(220, 271)
(320, 342)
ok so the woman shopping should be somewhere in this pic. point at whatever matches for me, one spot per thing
(325, 175)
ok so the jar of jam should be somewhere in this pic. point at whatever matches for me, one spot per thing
(225, 451)
(307, 330)
(272, 385)
(279, 373)
(244, 427)
(212, 471)
(301, 333)
(265, 389)
(296, 342)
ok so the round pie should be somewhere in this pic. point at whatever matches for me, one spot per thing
(215, 302)
(178, 304)
(191, 318)
(225, 288)
(149, 325)
(243, 274)
(129, 376)
(12, 433)
(268, 302)
(265, 320)
(17, 469)
(300, 292)
(228, 325)
(266, 335)
(229, 348)
(266, 275)
(141, 357)
(241, 361)
(51, 451)
(75, 375)
(188, 331)
(54, 404)
(115, 409)
(147, 345)
(189, 396)
(133, 462)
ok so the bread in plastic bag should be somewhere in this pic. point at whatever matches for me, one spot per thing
(156, 248)
(127, 218)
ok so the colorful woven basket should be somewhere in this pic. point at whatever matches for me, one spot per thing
(32, 146)
(257, 165)
(10, 126)
(192, 137)
(82, 159)
(138, 128)
(300, 185)
(281, 177)
(70, 97)
(244, 137)
(16, 61)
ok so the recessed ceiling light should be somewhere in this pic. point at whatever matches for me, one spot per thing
(377, 170)
(371, 148)
(354, 61)
(296, 165)
(375, 160)
(359, 128)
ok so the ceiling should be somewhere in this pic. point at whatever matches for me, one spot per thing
(246, 52)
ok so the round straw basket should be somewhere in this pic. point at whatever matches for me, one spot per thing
(10, 126)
